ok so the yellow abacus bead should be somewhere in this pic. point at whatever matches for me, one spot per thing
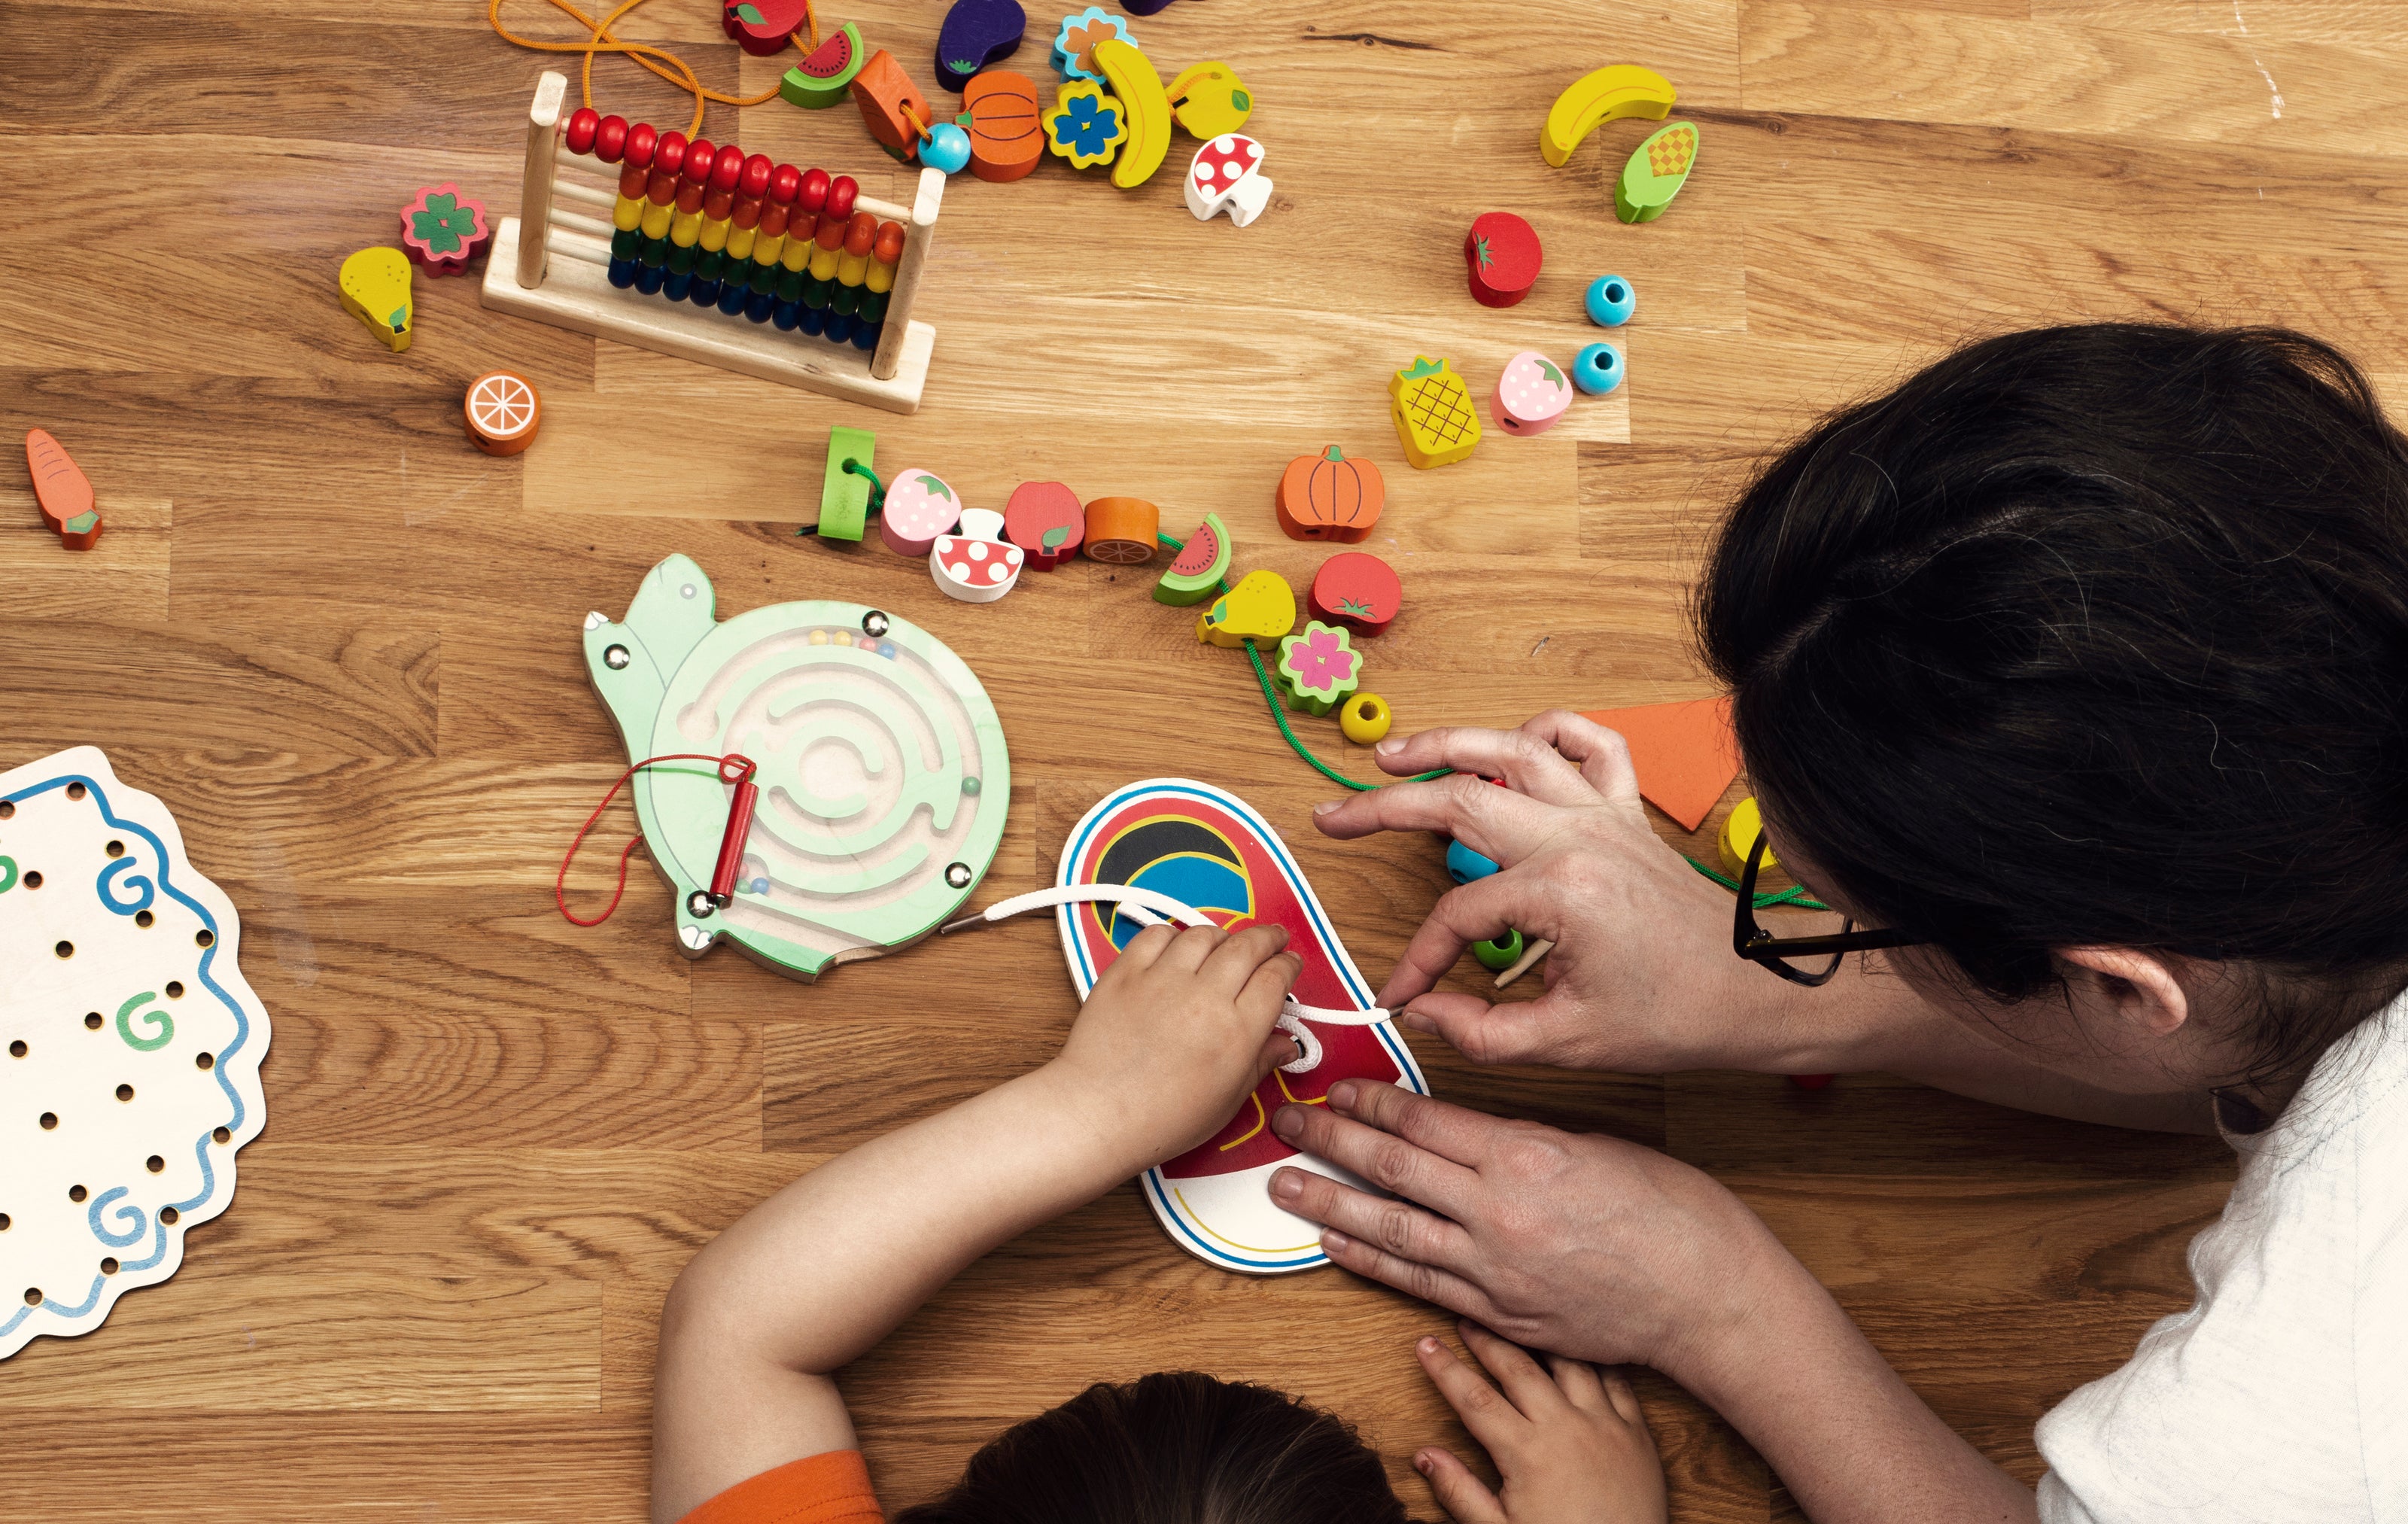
(851, 268)
(881, 278)
(797, 255)
(824, 263)
(1739, 836)
(685, 228)
(1365, 718)
(739, 242)
(715, 235)
(656, 219)
(766, 250)
(626, 213)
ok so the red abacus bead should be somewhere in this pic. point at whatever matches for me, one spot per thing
(689, 196)
(642, 141)
(860, 234)
(632, 181)
(663, 187)
(890, 243)
(746, 212)
(582, 128)
(831, 232)
(815, 190)
(802, 226)
(756, 179)
(728, 169)
(841, 192)
(717, 205)
(669, 153)
(785, 183)
(699, 156)
(773, 221)
(610, 139)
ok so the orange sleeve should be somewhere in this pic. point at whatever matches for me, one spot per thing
(830, 1488)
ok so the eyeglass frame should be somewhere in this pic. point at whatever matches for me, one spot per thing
(1766, 951)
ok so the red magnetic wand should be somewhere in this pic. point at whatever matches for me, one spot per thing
(740, 825)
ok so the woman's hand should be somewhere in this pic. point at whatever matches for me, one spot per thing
(1173, 1035)
(1642, 977)
(1584, 1246)
(1570, 1442)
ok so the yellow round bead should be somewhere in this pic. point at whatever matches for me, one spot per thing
(1365, 718)
(1739, 838)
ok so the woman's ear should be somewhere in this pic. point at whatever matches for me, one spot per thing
(2141, 985)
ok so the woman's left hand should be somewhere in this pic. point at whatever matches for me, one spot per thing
(1570, 1442)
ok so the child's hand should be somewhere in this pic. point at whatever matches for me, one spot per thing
(1572, 1448)
(1175, 1034)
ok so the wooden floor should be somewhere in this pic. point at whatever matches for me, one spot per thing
(345, 648)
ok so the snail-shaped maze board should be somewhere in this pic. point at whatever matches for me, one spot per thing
(882, 775)
(133, 1046)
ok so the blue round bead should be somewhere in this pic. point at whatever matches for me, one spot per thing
(946, 147)
(1598, 369)
(1465, 865)
(1609, 301)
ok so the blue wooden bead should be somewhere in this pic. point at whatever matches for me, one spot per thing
(946, 147)
(1609, 301)
(1499, 955)
(814, 320)
(1465, 865)
(758, 305)
(788, 316)
(865, 333)
(678, 286)
(705, 293)
(648, 277)
(622, 273)
(1598, 369)
(731, 297)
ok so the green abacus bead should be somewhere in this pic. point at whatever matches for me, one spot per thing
(682, 259)
(816, 292)
(1500, 954)
(846, 300)
(654, 252)
(790, 285)
(626, 243)
(873, 307)
(712, 266)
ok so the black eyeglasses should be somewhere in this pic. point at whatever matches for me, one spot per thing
(1758, 945)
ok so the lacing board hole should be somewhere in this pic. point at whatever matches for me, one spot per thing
(76, 791)
(4, 1222)
(154, 1164)
(169, 1214)
(220, 1134)
(50, 1120)
(17, 1049)
(174, 989)
(205, 1060)
(109, 1267)
(65, 949)
(33, 880)
(92, 1020)
(143, 919)
(77, 1193)
(204, 937)
(32, 1296)
(8, 811)
(126, 1092)
(117, 849)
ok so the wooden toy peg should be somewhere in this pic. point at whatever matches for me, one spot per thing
(62, 491)
(844, 494)
(1044, 519)
(1329, 496)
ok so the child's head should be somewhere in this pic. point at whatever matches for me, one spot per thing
(1171, 1448)
(2094, 635)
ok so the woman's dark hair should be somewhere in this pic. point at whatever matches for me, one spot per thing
(2094, 635)
(1175, 1447)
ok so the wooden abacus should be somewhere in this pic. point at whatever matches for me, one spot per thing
(826, 276)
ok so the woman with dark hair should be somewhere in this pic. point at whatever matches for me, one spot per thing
(748, 1427)
(2073, 675)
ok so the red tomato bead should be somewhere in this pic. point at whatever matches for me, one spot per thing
(755, 181)
(890, 243)
(610, 139)
(727, 169)
(642, 141)
(841, 192)
(860, 234)
(669, 153)
(785, 184)
(582, 128)
(815, 190)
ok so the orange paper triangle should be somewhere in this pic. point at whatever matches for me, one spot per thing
(1685, 753)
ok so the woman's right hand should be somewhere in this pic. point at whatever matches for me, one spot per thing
(1642, 977)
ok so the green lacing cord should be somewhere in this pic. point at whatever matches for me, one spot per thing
(1794, 895)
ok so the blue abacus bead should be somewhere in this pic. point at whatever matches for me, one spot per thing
(648, 277)
(758, 305)
(865, 335)
(814, 320)
(705, 293)
(838, 327)
(622, 273)
(1465, 865)
(678, 287)
(1609, 301)
(787, 316)
(731, 297)
(946, 147)
(1598, 369)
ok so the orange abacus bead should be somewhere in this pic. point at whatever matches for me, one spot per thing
(861, 233)
(889, 247)
(719, 205)
(661, 187)
(632, 180)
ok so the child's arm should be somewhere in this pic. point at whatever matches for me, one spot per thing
(1174, 1036)
(1569, 1441)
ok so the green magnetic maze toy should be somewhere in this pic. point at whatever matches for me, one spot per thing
(882, 775)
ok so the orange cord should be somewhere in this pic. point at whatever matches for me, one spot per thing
(917, 125)
(560, 883)
(642, 53)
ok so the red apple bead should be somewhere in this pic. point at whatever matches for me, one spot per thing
(632, 180)
(699, 156)
(785, 183)
(641, 143)
(815, 190)
(728, 169)
(890, 243)
(669, 153)
(582, 128)
(841, 190)
(754, 181)
(610, 139)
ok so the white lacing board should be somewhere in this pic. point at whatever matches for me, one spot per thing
(130, 1071)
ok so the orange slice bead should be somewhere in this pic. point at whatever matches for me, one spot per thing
(502, 411)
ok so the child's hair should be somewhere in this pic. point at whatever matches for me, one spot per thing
(1176, 1447)
(2094, 635)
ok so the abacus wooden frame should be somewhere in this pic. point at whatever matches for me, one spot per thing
(574, 292)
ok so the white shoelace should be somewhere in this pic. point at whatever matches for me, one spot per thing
(1150, 907)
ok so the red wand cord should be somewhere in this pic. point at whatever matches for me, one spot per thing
(732, 769)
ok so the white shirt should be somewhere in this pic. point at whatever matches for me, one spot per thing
(2281, 1396)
